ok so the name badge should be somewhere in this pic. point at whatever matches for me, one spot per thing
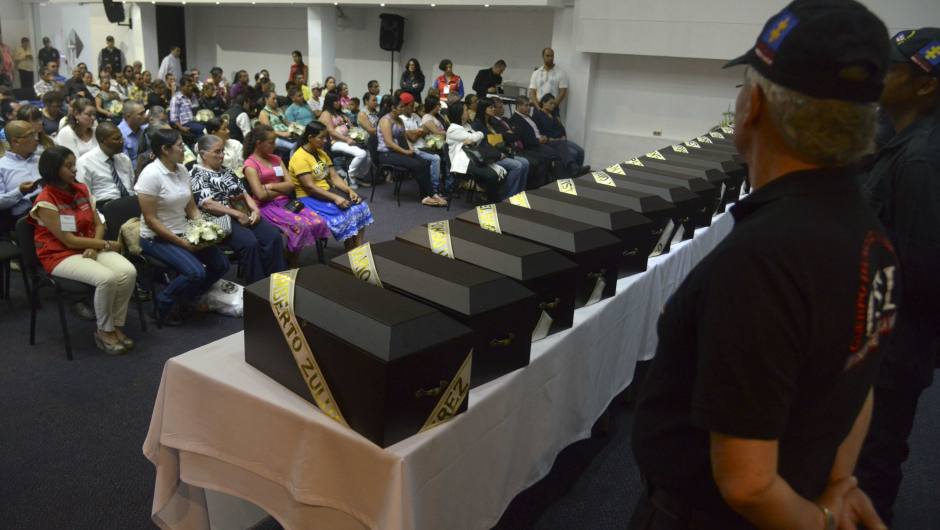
(279, 171)
(67, 223)
(446, 89)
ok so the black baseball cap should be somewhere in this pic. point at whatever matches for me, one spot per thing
(826, 49)
(919, 46)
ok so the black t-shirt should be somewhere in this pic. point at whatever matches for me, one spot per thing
(47, 56)
(773, 336)
(904, 188)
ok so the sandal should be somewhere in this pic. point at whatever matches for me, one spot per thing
(117, 348)
(432, 202)
(440, 200)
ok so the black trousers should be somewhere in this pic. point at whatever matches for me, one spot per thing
(539, 166)
(26, 79)
(654, 512)
(487, 178)
(420, 169)
(879, 464)
(259, 248)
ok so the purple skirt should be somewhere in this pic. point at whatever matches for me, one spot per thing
(302, 229)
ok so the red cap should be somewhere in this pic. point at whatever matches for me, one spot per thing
(407, 98)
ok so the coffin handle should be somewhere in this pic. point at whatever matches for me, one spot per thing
(631, 252)
(703, 210)
(505, 342)
(550, 305)
(597, 274)
(433, 392)
(658, 232)
(684, 220)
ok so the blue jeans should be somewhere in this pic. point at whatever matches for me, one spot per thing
(196, 128)
(435, 161)
(197, 271)
(515, 176)
(577, 152)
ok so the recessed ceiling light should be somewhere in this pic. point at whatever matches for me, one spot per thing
(383, 5)
(432, 5)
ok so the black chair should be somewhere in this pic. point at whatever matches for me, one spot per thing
(8, 253)
(116, 213)
(64, 288)
(397, 172)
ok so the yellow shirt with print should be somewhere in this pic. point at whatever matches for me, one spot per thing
(319, 168)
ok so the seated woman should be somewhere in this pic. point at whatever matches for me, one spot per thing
(472, 101)
(70, 244)
(210, 99)
(78, 135)
(393, 150)
(166, 202)
(514, 160)
(368, 117)
(33, 115)
(337, 125)
(344, 102)
(52, 103)
(310, 167)
(316, 102)
(271, 186)
(104, 100)
(434, 123)
(232, 150)
(157, 95)
(460, 134)
(449, 81)
(272, 115)
(89, 82)
(548, 120)
(217, 189)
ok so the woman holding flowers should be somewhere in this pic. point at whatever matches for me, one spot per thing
(337, 126)
(271, 185)
(272, 115)
(219, 192)
(166, 202)
(320, 189)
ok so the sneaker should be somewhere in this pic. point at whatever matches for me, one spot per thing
(352, 184)
(82, 310)
(364, 183)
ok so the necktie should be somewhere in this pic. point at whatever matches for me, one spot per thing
(117, 180)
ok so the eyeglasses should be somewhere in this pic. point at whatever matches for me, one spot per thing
(179, 146)
(31, 136)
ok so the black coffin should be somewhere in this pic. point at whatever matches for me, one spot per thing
(689, 205)
(376, 350)
(635, 231)
(722, 182)
(543, 271)
(706, 192)
(595, 251)
(501, 313)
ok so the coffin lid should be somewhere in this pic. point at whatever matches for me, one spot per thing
(633, 199)
(518, 259)
(696, 184)
(452, 284)
(675, 192)
(552, 230)
(612, 216)
(382, 323)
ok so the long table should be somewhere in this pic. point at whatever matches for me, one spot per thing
(220, 424)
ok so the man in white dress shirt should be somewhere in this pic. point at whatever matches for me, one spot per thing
(106, 170)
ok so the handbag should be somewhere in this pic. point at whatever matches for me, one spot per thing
(490, 153)
(474, 154)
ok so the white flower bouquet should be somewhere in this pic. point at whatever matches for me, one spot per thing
(295, 129)
(116, 107)
(204, 115)
(434, 142)
(358, 135)
(202, 233)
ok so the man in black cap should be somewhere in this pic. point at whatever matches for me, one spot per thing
(47, 54)
(904, 184)
(757, 402)
(111, 56)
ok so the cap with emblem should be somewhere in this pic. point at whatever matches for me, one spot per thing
(920, 46)
(826, 49)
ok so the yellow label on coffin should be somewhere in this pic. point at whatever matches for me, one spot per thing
(488, 218)
(679, 149)
(692, 143)
(716, 135)
(656, 155)
(616, 168)
(604, 178)
(663, 239)
(363, 266)
(520, 199)
(452, 398)
(633, 162)
(704, 139)
(727, 130)
(282, 303)
(567, 186)
(439, 236)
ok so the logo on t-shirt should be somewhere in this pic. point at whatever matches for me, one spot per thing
(875, 305)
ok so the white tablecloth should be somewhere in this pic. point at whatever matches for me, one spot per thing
(219, 423)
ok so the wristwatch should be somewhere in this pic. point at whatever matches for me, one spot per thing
(830, 519)
(107, 245)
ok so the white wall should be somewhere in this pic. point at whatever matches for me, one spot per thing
(100, 28)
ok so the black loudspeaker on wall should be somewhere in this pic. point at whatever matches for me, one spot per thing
(392, 33)
(114, 11)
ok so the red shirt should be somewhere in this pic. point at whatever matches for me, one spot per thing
(50, 250)
(293, 68)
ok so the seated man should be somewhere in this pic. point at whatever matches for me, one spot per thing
(75, 87)
(538, 162)
(533, 140)
(181, 110)
(134, 123)
(19, 169)
(54, 69)
(106, 170)
(8, 108)
(46, 83)
(298, 111)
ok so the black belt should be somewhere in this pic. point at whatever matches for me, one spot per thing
(681, 512)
